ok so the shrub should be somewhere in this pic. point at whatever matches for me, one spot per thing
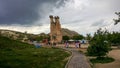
(98, 46)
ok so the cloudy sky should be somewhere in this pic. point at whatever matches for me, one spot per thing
(83, 16)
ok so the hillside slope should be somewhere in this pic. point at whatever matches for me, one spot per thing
(10, 44)
(68, 32)
(15, 54)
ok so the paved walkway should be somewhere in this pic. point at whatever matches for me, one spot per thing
(78, 60)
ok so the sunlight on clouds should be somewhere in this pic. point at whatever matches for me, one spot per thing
(30, 29)
(77, 15)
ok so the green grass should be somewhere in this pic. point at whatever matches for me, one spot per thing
(14, 54)
(102, 60)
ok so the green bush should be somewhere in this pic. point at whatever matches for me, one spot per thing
(98, 46)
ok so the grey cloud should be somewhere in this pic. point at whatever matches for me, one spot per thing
(23, 11)
(77, 21)
(100, 23)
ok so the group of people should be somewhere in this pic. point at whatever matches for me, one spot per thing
(77, 44)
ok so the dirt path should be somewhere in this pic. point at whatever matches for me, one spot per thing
(78, 60)
(116, 64)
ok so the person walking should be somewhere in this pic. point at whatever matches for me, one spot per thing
(76, 44)
(66, 44)
(79, 44)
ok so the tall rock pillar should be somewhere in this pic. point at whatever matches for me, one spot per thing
(58, 28)
(55, 30)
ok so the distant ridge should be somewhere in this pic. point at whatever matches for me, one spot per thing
(65, 32)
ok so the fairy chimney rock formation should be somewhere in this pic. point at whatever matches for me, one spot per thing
(55, 30)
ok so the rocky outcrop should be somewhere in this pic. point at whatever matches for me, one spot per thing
(67, 32)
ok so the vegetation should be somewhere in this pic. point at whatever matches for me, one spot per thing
(102, 60)
(66, 37)
(113, 38)
(7, 43)
(15, 54)
(101, 42)
(98, 45)
(78, 37)
(88, 37)
(117, 20)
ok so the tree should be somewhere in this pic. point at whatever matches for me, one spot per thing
(99, 46)
(39, 38)
(114, 38)
(77, 37)
(65, 37)
(88, 37)
(117, 20)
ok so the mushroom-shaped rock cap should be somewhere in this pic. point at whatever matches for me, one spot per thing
(56, 17)
(51, 16)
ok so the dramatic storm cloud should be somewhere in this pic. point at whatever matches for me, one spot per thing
(23, 11)
(83, 16)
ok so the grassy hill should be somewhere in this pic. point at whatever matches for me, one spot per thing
(14, 54)
(7, 43)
